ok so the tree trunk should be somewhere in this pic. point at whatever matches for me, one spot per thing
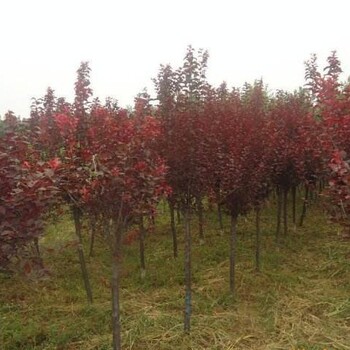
(279, 214)
(37, 248)
(77, 223)
(178, 212)
(218, 198)
(92, 237)
(233, 252)
(221, 224)
(285, 212)
(153, 220)
(188, 272)
(116, 268)
(200, 220)
(173, 228)
(320, 186)
(294, 199)
(258, 241)
(303, 213)
(142, 248)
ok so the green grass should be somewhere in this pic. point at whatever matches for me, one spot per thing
(300, 300)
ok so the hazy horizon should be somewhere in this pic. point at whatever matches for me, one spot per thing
(125, 42)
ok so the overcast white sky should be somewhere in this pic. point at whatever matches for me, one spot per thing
(44, 41)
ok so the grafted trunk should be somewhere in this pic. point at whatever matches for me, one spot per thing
(77, 224)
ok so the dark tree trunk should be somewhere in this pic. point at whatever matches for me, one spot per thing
(178, 214)
(92, 237)
(294, 195)
(142, 248)
(233, 248)
(37, 254)
(221, 224)
(320, 186)
(116, 268)
(188, 272)
(200, 220)
(279, 214)
(153, 220)
(37, 248)
(77, 223)
(285, 211)
(303, 213)
(218, 198)
(258, 240)
(173, 228)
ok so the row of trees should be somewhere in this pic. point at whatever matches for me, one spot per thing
(232, 147)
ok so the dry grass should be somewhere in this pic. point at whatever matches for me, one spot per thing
(301, 299)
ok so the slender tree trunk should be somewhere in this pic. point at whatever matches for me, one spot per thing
(294, 207)
(37, 254)
(285, 212)
(188, 272)
(258, 240)
(279, 214)
(320, 186)
(218, 198)
(153, 220)
(303, 213)
(233, 248)
(178, 214)
(77, 223)
(92, 237)
(294, 198)
(37, 248)
(221, 223)
(142, 248)
(200, 220)
(173, 228)
(116, 268)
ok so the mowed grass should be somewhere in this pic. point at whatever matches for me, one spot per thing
(300, 300)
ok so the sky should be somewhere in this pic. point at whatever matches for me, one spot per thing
(44, 41)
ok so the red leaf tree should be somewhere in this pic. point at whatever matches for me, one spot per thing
(237, 163)
(26, 190)
(127, 180)
(331, 105)
(181, 96)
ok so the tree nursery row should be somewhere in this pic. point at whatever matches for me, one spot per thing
(191, 144)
